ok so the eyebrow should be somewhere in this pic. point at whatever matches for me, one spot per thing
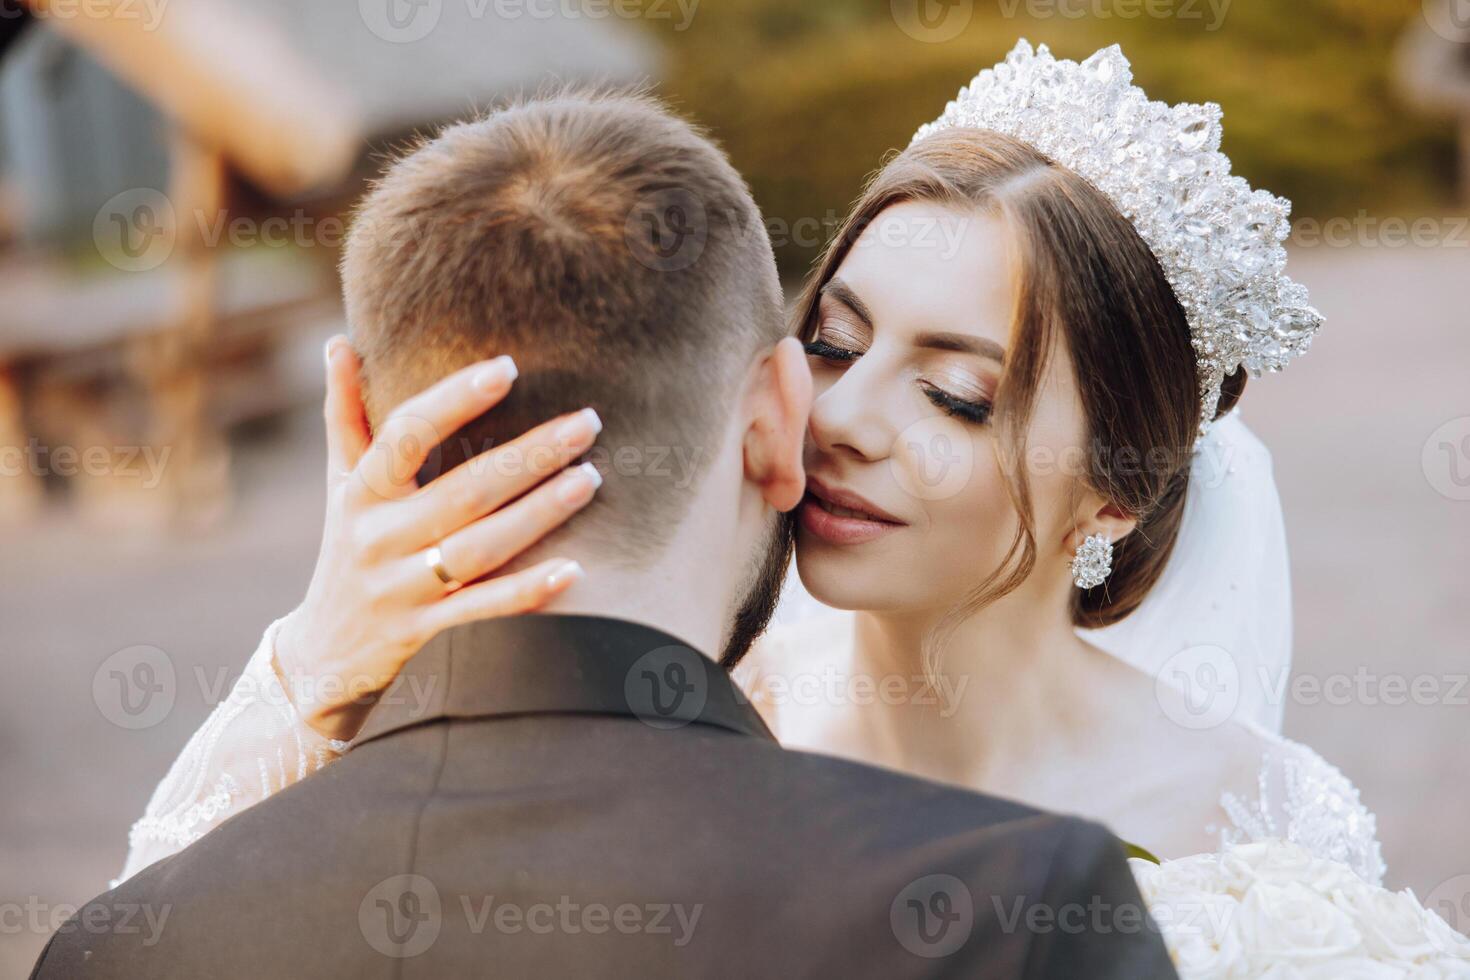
(962, 343)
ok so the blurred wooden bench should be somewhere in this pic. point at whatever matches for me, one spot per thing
(106, 366)
(241, 101)
(272, 106)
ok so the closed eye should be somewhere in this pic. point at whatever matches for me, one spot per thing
(827, 352)
(960, 408)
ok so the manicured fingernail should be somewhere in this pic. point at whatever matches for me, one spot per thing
(579, 426)
(334, 344)
(565, 575)
(578, 486)
(498, 373)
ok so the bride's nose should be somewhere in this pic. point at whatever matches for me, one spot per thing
(855, 415)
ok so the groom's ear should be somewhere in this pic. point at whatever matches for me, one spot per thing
(779, 407)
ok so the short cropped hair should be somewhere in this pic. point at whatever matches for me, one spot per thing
(605, 244)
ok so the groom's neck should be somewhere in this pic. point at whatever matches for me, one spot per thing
(673, 596)
(687, 586)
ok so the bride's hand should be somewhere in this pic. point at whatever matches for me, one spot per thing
(375, 598)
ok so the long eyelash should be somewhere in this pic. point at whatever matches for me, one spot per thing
(820, 348)
(977, 412)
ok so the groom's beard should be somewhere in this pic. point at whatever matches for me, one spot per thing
(759, 602)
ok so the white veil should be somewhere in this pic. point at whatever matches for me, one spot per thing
(1218, 622)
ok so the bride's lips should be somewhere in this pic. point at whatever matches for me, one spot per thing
(842, 517)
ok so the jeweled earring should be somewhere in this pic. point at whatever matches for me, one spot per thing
(1093, 562)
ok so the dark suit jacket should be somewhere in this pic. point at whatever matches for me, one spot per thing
(556, 796)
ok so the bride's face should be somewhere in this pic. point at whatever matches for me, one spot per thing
(910, 342)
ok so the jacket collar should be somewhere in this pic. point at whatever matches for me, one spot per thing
(545, 664)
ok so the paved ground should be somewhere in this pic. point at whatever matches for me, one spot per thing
(1379, 556)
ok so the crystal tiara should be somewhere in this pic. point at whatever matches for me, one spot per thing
(1218, 241)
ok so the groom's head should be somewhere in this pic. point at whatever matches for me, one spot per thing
(613, 251)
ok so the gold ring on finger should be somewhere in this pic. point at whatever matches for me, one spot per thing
(434, 557)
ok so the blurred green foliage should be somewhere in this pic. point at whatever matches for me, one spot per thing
(809, 95)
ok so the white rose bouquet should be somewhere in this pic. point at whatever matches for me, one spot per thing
(1272, 910)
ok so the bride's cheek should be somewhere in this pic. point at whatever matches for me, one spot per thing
(976, 525)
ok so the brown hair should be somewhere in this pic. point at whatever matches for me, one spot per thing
(605, 244)
(1088, 281)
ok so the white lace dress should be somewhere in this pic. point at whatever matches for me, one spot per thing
(254, 744)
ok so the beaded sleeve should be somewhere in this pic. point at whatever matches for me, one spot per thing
(1302, 798)
(253, 744)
